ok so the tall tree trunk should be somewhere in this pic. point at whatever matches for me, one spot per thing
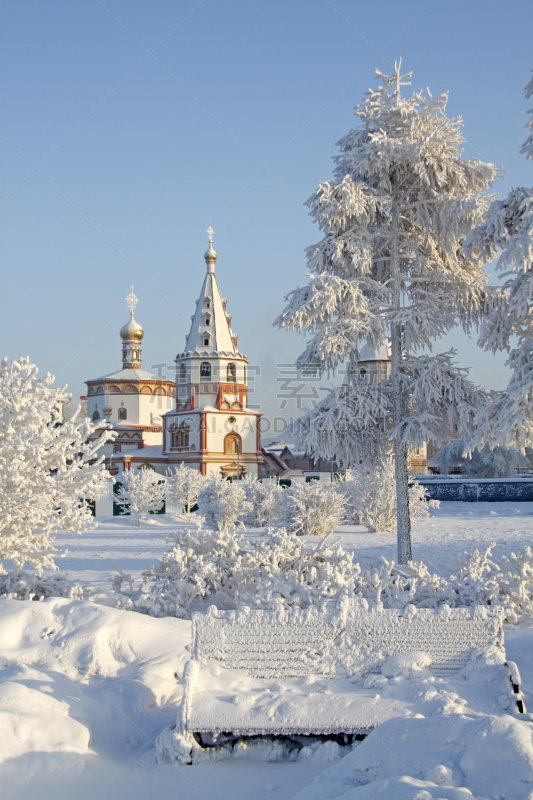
(403, 519)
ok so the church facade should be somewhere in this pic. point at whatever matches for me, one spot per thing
(202, 419)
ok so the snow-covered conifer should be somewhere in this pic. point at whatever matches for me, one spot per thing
(500, 462)
(48, 470)
(183, 485)
(141, 493)
(222, 503)
(390, 265)
(312, 509)
(508, 233)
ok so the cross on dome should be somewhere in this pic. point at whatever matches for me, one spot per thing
(210, 233)
(132, 300)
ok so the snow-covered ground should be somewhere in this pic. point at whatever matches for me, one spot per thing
(85, 689)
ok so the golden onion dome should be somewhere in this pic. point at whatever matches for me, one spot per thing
(210, 254)
(132, 330)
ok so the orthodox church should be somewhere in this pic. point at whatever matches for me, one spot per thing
(202, 419)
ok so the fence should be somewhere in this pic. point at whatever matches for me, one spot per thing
(479, 490)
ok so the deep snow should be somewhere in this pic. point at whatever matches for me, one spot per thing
(85, 690)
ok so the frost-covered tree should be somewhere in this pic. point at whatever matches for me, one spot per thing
(265, 500)
(221, 503)
(183, 485)
(371, 497)
(508, 233)
(499, 462)
(141, 493)
(312, 509)
(48, 470)
(390, 265)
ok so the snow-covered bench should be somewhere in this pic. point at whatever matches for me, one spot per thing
(302, 672)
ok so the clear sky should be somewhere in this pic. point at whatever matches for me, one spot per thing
(128, 125)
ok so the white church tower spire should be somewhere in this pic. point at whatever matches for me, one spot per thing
(212, 427)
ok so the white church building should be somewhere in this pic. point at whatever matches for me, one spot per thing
(202, 419)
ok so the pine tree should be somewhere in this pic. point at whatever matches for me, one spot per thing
(142, 493)
(508, 233)
(394, 219)
(48, 470)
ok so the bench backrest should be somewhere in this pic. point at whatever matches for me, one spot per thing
(340, 638)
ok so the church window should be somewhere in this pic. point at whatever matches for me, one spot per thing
(232, 420)
(236, 405)
(116, 448)
(232, 444)
(183, 372)
(207, 319)
(205, 340)
(205, 371)
(207, 302)
(96, 416)
(362, 374)
(232, 373)
(206, 389)
(181, 437)
(122, 413)
(224, 405)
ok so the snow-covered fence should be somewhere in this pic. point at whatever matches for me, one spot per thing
(473, 490)
(232, 683)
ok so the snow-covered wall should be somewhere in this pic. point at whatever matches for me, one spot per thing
(473, 491)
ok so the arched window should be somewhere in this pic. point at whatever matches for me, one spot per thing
(232, 444)
(232, 373)
(122, 413)
(362, 374)
(96, 416)
(183, 372)
(205, 371)
(181, 437)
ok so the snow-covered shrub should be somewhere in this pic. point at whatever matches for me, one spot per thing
(142, 493)
(48, 470)
(222, 502)
(501, 462)
(265, 498)
(199, 564)
(371, 498)
(312, 509)
(20, 585)
(183, 485)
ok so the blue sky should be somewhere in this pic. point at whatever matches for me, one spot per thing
(128, 126)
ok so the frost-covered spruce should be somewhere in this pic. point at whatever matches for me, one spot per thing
(508, 233)
(142, 493)
(48, 470)
(390, 265)
(183, 485)
(312, 509)
(371, 497)
(222, 503)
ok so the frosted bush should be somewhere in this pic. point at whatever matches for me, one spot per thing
(199, 564)
(222, 502)
(371, 498)
(312, 509)
(142, 493)
(183, 485)
(265, 498)
(20, 585)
